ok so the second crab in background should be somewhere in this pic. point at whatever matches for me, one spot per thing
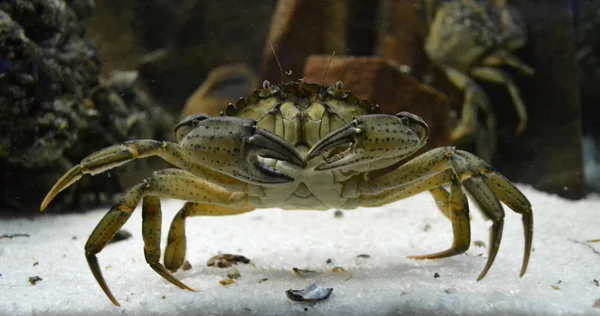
(476, 39)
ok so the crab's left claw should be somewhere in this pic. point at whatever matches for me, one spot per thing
(371, 139)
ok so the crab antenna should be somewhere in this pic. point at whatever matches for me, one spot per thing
(277, 60)
(327, 68)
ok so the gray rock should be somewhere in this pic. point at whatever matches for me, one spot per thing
(54, 107)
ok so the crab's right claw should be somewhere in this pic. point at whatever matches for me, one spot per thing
(268, 145)
(236, 146)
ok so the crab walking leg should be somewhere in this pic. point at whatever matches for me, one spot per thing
(172, 183)
(176, 242)
(504, 57)
(438, 167)
(501, 77)
(453, 205)
(475, 98)
(117, 155)
(511, 196)
(151, 229)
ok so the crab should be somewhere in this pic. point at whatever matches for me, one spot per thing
(296, 145)
(471, 39)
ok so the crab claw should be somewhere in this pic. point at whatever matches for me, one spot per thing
(234, 146)
(371, 140)
(268, 145)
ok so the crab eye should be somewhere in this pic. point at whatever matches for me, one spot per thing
(187, 124)
(266, 85)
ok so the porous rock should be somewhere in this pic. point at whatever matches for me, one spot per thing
(54, 108)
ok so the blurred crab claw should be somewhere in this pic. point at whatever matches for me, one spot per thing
(370, 139)
(234, 146)
(268, 145)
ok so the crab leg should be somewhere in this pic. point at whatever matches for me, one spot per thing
(501, 77)
(172, 183)
(429, 171)
(485, 186)
(503, 57)
(223, 151)
(455, 207)
(475, 98)
(176, 242)
(117, 155)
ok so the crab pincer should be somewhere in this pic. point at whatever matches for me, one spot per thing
(372, 139)
(233, 145)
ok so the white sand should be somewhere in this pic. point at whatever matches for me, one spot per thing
(276, 241)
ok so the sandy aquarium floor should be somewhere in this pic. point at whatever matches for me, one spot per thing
(562, 278)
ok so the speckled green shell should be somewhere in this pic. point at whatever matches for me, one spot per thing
(301, 112)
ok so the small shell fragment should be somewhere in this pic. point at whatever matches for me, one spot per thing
(305, 273)
(227, 282)
(338, 269)
(34, 279)
(186, 266)
(364, 256)
(479, 243)
(312, 293)
(226, 260)
(234, 273)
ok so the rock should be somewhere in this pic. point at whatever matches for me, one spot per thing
(224, 85)
(399, 37)
(175, 44)
(384, 83)
(300, 29)
(54, 108)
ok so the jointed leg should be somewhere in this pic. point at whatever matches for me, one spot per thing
(453, 205)
(222, 150)
(117, 155)
(443, 166)
(176, 243)
(475, 98)
(501, 77)
(504, 57)
(151, 229)
(173, 183)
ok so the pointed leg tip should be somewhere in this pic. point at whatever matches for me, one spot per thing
(523, 271)
(46, 202)
(483, 273)
(115, 302)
